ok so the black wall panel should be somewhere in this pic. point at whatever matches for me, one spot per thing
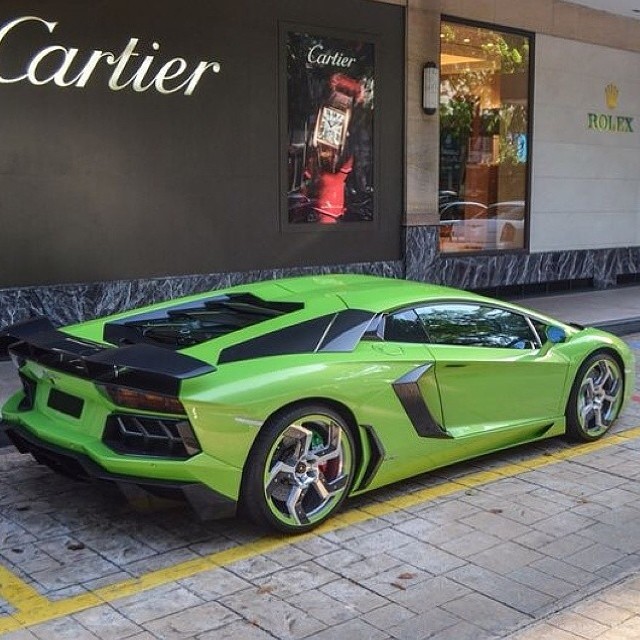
(97, 184)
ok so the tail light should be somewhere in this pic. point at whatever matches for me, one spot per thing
(143, 400)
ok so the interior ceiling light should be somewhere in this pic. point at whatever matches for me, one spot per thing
(448, 59)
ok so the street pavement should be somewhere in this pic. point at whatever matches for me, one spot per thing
(542, 541)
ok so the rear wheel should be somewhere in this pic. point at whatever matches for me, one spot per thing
(596, 398)
(300, 469)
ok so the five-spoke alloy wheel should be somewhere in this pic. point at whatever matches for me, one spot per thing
(300, 469)
(596, 397)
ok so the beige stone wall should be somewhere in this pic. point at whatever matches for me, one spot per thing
(548, 17)
(585, 191)
(422, 131)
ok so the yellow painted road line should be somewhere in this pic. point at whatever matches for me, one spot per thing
(32, 608)
(14, 590)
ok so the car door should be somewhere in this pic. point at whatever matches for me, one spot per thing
(405, 411)
(492, 371)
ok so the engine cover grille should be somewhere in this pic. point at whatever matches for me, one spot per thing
(150, 436)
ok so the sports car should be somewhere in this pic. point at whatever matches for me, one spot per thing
(282, 398)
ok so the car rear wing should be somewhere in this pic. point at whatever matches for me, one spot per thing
(139, 366)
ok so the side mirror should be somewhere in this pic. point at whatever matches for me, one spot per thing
(555, 335)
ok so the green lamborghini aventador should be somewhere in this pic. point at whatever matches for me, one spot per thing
(285, 397)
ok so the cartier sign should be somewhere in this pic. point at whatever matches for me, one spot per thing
(66, 66)
(317, 55)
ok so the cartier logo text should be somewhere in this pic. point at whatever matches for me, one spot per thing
(67, 66)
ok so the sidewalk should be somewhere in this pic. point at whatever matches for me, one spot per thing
(614, 614)
(9, 382)
(615, 310)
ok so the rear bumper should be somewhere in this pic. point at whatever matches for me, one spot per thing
(205, 502)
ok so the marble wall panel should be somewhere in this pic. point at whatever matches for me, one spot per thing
(65, 304)
(425, 263)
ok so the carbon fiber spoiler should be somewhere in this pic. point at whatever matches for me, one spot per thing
(140, 366)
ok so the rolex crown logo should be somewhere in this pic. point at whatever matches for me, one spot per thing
(611, 93)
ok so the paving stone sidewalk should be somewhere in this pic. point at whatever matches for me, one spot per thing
(481, 564)
(614, 614)
(546, 551)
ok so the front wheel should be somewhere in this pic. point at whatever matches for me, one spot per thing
(596, 398)
(300, 469)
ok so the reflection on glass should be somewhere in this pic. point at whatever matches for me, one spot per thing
(477, 326)
(484, 111)
(404, 326)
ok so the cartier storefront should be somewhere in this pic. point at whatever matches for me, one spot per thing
(154, 149)
(151, 149)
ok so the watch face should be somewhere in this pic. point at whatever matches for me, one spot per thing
(331, 127)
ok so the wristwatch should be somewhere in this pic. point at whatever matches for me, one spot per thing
(332, 122)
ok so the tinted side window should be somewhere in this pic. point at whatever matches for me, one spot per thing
(476, 325)
(541, 328)
(404, 326)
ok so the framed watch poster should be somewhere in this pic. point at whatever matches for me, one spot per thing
(330, 100)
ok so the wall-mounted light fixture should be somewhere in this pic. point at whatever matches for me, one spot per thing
(430, 88)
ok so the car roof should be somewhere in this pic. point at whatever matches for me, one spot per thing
(360, 291)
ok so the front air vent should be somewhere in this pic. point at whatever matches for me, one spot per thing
(65, 403)
(150, 436)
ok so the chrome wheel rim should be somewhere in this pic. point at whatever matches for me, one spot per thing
(307, 470)
(599, 397)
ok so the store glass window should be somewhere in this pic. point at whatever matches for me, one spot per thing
(484, 141)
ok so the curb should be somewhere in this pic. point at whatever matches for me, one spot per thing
(619, 327)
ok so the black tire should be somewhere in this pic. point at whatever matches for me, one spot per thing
(300, 469)
(596, 398)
